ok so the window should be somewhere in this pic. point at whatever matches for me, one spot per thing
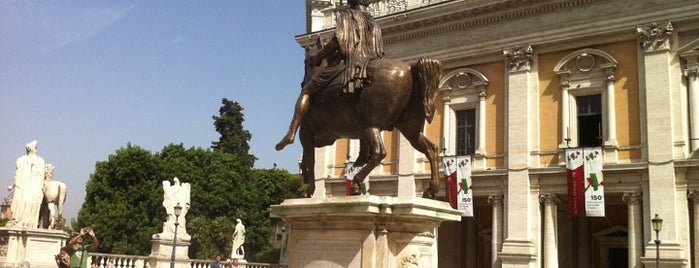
(465, 132)
(464, 96)
(589, 120)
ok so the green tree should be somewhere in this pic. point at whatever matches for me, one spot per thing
(124, 198)
(122, 203)
(234, 138)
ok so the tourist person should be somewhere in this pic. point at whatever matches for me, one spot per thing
(81, 253)
(357, 40)
(234, 263)
(217, 262)
(63, 258)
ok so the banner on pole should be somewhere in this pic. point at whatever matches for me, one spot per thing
(449, 163)
(575, 176)
(594, 182)
(585, 182)
(457, 172)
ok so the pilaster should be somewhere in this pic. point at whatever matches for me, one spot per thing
(518, 248)
(655, 46)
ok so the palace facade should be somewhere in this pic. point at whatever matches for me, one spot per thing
(523, 81)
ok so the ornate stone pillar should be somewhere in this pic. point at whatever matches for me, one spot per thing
(657, 88)
(550, 230)
(694, 196)
(518, 249)
(635, 228)
(496, 242)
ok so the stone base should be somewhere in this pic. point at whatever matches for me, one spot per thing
(161, 253)
(363, 231)
(36, 246)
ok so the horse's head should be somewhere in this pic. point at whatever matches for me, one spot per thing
(309, 67)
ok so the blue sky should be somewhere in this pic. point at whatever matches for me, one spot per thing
(85, 78)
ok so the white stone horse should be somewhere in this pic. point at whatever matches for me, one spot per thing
(54, 197)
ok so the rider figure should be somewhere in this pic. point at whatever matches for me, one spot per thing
(357, 40)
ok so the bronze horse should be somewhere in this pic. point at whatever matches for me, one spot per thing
(397, 96)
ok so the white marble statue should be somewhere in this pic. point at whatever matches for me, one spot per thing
(28, 184)
(237, 250)
(51, 216)
(175, 193)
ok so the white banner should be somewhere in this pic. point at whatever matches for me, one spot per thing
(464, 195)
(594, 182)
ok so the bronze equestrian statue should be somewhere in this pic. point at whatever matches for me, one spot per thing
(360, 101)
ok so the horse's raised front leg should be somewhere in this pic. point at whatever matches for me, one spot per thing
(376, 153)
(431, 151)
(307, 160)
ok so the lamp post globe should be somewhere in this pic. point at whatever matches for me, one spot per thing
(657, 223)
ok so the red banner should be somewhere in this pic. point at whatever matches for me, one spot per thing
(576, 192)
(575, 174)
(450, 180)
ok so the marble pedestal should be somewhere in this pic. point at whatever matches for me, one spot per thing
(35, 246)
(161, 253)
(363, 231)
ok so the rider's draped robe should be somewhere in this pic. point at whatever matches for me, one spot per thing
(360, 41)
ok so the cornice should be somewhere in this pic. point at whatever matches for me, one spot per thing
(449, 16)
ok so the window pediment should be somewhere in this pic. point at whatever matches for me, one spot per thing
(463, 81)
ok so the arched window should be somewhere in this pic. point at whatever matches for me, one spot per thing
(587, 99)
(464, 112)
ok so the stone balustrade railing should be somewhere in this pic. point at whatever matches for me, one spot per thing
(133, 261)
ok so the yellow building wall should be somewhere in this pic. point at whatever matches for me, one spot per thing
(494, 112)
(341, 152)
(626, 90)
(626, 105)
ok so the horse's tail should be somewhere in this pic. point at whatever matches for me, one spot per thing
(428, 72)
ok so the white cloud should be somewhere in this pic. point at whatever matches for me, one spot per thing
(52, 25)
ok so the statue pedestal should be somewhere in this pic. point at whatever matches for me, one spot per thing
(363, 231)
(35, 246)
(161, 253)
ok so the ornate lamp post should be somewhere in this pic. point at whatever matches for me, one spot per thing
(657, 226)
(178, 210)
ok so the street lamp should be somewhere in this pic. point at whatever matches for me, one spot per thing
(657, 226)
(178, 210)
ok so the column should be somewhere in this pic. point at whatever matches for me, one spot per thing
(496, 237)
(657, 88)
(550, 230)
(518, 249)
(635, 228)
(611, 109)
(691, 71)
(481, 123)
(694, 196)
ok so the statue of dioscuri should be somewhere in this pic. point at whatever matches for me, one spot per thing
(27, 185)
(51, 211)
(350, 92)
(237, 251)
(174, 194)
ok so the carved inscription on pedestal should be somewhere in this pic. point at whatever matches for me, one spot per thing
(328, 254)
